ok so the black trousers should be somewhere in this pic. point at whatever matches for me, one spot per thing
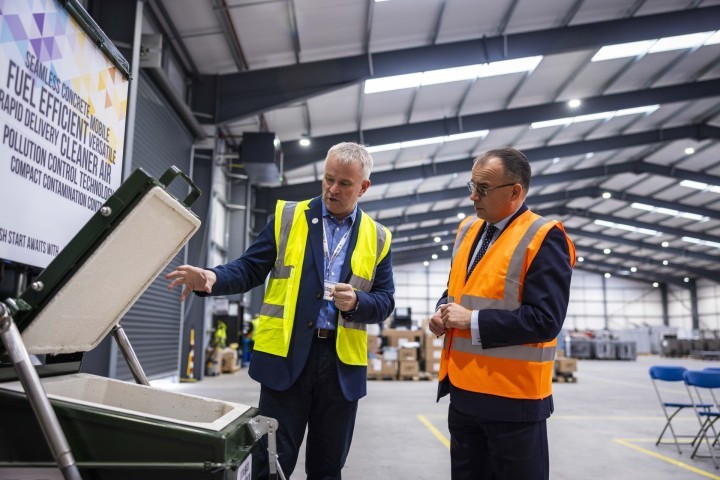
(497, 450)
(314, 401)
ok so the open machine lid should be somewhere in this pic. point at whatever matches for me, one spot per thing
(85, 291)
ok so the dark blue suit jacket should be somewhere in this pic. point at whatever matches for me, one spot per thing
(251, 269)
(545, 298)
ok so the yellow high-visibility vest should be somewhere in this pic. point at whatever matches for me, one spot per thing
(518, 371)
(277, 313)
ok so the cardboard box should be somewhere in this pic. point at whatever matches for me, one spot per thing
(390, 353)
(405, 354)
(373, 344)
(374, 367)
(409, 368)
(389, 368)
(565, 365)
(432, 352)
(397, 337)
(229, 360)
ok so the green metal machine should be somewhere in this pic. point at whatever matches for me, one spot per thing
(92, 427)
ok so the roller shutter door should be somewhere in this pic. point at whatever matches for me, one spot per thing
(153, 323)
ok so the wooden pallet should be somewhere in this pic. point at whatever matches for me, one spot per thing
(564, 378)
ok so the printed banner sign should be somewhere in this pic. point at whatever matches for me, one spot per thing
(62, 126)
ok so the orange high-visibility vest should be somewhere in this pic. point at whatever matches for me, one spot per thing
(518, 371)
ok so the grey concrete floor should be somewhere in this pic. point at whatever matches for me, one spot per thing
(604, 426)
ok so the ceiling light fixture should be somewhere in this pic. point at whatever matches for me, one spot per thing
(455, 74)
(444, 248)
(633, 269)
(608, 275)
(689, 151)
(606, 195)
(607, 251)
(434, 256)
(304, 141)
(437, 239)
(656, 284)
(574, 103)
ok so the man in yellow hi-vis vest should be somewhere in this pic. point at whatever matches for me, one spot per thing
(505, 304)
(329, 274)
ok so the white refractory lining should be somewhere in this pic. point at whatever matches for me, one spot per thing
(130, 398)
(109, 282)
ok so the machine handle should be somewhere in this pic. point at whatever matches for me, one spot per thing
(171, 174)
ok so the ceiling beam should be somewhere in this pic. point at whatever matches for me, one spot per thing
(424, 253)
(463, 166)
(296, 156)
(244, 94)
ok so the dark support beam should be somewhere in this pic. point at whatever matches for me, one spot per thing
(694, 306)
(463, 166)
(249, 93)
(297, 156)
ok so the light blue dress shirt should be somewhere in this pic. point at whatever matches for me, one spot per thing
(335, 230)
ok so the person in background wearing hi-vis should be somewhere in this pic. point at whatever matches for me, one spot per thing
(505, 304)
(330, 276)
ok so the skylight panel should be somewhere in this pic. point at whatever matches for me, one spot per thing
(697, 241)
(629, 228)
(447, 75)
(428, 141)
(622, 50)
(670, 212)
(666, 44)
(455, 74)
(396, 82)
(679, 42)
(705, 187)
(594, 116)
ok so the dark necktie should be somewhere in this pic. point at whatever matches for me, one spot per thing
(491, 229)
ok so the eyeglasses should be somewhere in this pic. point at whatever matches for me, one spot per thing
(483, 191)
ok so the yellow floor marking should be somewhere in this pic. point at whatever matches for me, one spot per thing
(435, 431)
(626, 442)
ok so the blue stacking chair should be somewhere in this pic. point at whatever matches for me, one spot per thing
(705, 384)
(673, 374)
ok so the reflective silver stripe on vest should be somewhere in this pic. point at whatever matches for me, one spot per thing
(363, 284)
(280, 270)
(460, 238)
(270, 310)
(511, 299)
(353, 325)
(509, 302)
(516, 352)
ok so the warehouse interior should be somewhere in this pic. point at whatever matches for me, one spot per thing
(616, 104)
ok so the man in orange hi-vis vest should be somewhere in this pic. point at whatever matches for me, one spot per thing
(505, 304)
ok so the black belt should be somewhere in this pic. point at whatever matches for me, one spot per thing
(323, 333)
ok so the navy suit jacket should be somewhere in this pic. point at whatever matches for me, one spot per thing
(545, 297)
(251, 269)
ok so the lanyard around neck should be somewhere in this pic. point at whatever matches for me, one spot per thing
(326, 250)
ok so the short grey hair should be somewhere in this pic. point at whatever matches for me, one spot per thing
(348, 153)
